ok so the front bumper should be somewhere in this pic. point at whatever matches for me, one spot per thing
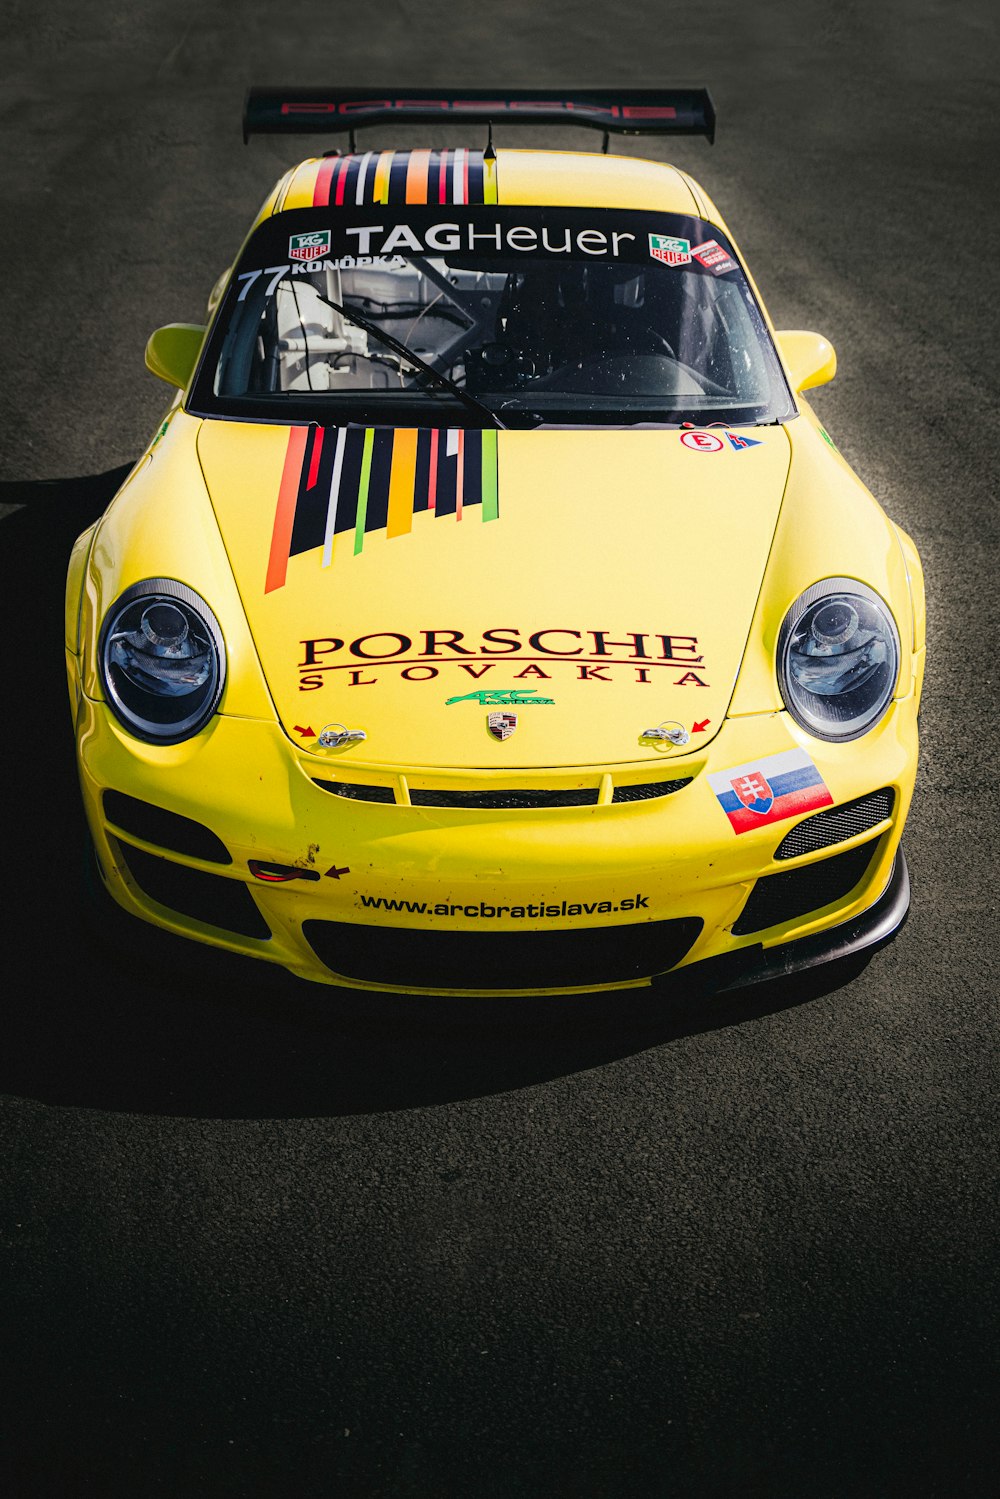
(431, 899)
(757, 964)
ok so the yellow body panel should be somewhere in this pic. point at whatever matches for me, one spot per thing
(384, 639)
(678, 854)
(160, 525)
(830, 526)
(624, 577)
(585, 180)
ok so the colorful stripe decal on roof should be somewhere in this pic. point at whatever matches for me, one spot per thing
(395, 177)
(339, 481)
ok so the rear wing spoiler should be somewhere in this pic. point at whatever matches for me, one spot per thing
(299, 111)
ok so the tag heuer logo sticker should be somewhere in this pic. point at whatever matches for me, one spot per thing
(309, 246)
(670, 250)
(501, 725)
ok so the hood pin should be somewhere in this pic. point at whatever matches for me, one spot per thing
(336, 734)
(665, 733)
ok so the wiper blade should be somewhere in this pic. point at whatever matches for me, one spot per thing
(421, 364)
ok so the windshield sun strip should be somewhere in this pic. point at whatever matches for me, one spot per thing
(495, 360)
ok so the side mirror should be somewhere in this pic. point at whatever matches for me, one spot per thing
(810, 359)
(172, 352)
(215, 296)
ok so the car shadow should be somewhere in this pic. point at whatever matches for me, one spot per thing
(105, 1012)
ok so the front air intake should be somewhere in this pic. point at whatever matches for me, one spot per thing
(357, 791)
(837, 824)
(532, 960)
(211, 898)
(649, 790)
(508, 800)
(783, 897)
(166, 829)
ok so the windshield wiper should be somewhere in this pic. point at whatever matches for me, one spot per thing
(421, 364)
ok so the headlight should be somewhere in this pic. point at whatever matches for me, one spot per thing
(162, 661)
(838, 659)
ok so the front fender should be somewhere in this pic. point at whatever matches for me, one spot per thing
(161, 524)
(829, 526)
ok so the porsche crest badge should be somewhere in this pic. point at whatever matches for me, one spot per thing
(501, 725)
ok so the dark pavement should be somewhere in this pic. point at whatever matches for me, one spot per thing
(261, 1239)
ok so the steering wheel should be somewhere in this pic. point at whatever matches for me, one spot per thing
(664, 345)
(652, 342)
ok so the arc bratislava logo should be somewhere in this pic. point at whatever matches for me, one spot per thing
(527, 697)
(501, 725)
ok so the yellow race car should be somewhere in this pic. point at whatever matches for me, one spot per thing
(473, 433)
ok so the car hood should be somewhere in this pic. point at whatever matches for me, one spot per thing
(574, 587)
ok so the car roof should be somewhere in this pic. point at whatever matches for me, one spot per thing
(582, 179)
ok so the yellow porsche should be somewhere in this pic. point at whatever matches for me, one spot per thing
(491, 613)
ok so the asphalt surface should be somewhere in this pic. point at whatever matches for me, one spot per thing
(258, 1240)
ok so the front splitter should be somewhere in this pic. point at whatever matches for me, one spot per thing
(757, 964)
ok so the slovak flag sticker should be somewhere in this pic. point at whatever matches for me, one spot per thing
(770, 790)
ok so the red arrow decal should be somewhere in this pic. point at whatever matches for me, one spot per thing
(334, 873)
(699, 728)
(306, 733)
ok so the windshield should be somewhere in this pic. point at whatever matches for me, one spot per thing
(539, 315)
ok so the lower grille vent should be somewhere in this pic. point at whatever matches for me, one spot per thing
(507, 800)
(501, 960)
(649, 789)
(356, 791)
(166, 829)
(837, 824)
(783, 897)
(211, 898)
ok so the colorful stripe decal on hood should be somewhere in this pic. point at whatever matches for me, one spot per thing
(396, 177)
(356, 480)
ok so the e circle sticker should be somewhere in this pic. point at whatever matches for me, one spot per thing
(702, 442)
